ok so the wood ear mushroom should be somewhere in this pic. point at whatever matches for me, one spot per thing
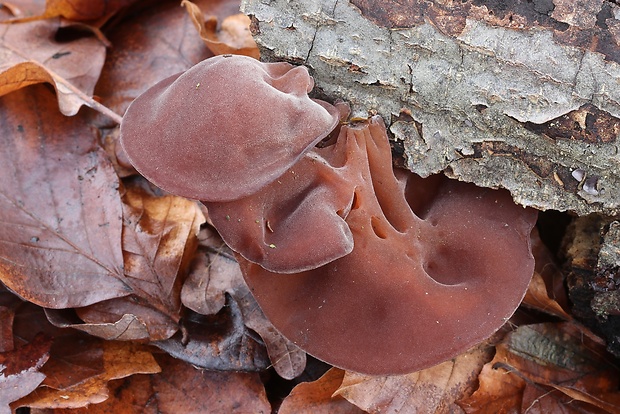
(368, 268)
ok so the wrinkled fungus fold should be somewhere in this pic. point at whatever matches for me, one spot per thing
(369, 268)
(414, 291)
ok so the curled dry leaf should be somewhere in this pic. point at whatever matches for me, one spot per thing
(159, 240)
(20, 370)
(120, 359)
(433, 390)
(127, 327)
(317, 397)
(59, 205)
(114, 314)
(22, 9)
(546, 292)
(232, 37)
(218, 342)
(84, 10)
(214, 274)
(549, 367)
(29, 55)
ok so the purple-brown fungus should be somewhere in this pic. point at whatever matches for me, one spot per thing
(437, 266)
(369, 268)
(225, 128)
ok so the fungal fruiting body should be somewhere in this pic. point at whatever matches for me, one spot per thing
(224, 128)
(437, 266)
(368, 268)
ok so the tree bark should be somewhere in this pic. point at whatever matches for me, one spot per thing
(518, 94)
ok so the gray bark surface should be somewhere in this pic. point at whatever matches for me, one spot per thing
(526, 97)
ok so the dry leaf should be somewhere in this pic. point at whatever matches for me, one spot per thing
(150, 47)
(159, 239)
(61, 247)
(74, 358)
(433, 390)
(127, 327)
(23, 8)
(29, 54)
(287, 358)
(92, 11)
(232, 37)
(130, 395)
(20, 370)
(317, 397)
(120, 359)
(84, 10)
(546, 292)
(183, 389)
(79, 366)
(59, 202)
(218, 342)
(215, 273)
(548, 368)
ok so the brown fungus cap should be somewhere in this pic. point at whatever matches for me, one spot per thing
(437, 266)
(224, 128)
(296, 223)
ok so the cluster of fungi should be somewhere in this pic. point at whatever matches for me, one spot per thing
(367, 267)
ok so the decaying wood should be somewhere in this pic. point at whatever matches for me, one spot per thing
(592, 251)
(518, 94)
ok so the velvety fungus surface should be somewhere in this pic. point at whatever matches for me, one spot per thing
(437, 266)
(368, 268)
(224, 128)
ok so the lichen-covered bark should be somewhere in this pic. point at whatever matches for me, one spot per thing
(521, 94)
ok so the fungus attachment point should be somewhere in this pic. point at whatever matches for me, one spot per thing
(225, 128)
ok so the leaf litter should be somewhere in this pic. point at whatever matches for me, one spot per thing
(138, 275)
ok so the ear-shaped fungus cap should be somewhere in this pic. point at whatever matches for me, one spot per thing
(225, 128)
(437, 266)
(296, 223)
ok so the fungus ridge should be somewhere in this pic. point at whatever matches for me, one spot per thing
(415, 290)
(368, 268)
